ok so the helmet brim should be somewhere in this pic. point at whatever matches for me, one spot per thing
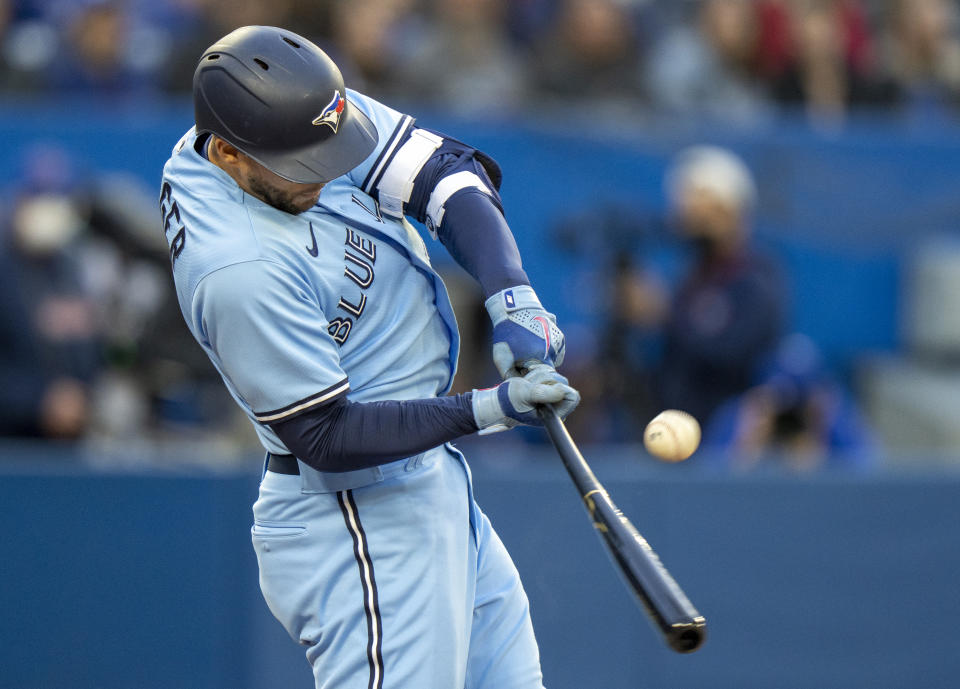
(355, 139)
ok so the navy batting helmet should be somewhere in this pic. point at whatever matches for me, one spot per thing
(278, 98)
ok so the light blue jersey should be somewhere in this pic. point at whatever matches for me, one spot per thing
(294, 309)
(390, 576)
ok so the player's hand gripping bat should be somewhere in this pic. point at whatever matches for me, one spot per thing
(668, 607)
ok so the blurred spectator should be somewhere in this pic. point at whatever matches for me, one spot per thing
(463, 59)
(6, 69)
(201, 22)
(372, 39)
(528, 19)
(728, 311)
(96, 38)
(237, 13)
(590, 56)
(796, 415)
(688, 348)
(921, 54)
(709, 66)
(612, 362)
(27, 45)
(51, 342)
(624, 379)
(100, 52)
(818, 54)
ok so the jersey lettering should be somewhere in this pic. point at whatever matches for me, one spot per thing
(376, 207)
(361, 253)
(171, 221)
(176, 245)
(364, 247)
(339, 329)
(362, 282)
(355, 309)
(174, 211)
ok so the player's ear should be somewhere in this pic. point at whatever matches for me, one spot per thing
(226, 151)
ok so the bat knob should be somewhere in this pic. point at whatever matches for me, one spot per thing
(687, 638)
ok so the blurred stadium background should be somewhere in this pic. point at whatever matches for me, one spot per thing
(820, 559)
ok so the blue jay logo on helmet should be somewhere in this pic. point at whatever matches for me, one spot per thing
(330, 115)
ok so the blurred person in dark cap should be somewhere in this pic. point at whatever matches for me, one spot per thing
(796, 415)
(727, 312)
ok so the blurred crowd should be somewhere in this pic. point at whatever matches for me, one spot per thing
(737, 60)
(713, 340)
(93, 344)
(91, 334)
(94, 348)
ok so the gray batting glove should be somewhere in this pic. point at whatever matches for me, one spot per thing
(514, 401)
(523, 331)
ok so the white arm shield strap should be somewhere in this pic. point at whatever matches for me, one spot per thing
(396, 185)
(447, 187)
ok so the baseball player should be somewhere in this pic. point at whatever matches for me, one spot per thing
(297, 272)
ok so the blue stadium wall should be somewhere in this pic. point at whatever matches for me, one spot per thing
(147, 579)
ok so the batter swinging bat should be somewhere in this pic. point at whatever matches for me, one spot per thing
(668, 607)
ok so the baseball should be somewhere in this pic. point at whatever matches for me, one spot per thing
(672, 435)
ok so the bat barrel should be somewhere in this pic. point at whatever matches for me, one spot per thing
(682, 626)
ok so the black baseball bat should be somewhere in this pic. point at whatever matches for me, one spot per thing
(665, 602)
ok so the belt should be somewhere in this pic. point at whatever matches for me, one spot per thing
(282, 464)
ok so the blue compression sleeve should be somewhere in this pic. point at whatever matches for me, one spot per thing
(479, 239)
(343, 435)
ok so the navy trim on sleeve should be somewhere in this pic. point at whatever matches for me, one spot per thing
(324, 396)
(400, 134)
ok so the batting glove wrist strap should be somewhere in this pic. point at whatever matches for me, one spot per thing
(506, 301)
(488, 413)
(523, 332)
(515, 400)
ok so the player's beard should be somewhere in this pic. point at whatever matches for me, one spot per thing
(295, 204)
